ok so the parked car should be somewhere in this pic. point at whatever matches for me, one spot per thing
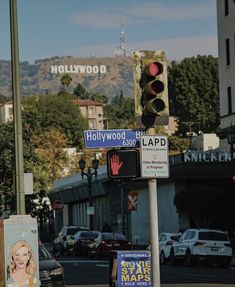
(62, 243)
(51, 273)
(81, 241)
(107, 241)
(165, 242)
(202, 245)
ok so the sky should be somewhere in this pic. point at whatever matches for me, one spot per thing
(81, 28)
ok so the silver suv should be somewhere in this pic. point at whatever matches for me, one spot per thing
(62, 242)
(202, 245)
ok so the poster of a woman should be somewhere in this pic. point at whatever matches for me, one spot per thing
(22, 267)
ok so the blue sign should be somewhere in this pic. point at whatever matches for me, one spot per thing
(134, 268)
(112, 138)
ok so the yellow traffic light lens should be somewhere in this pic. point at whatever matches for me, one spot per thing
(154, 87)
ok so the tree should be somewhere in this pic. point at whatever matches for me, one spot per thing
(47, 112)
(51, 147)
(178, 145)
(3, 98)
(99, 98)
(6, 163)
(204, 203)
(80, 92)
(65, 80)
(193, 93)
(120, 112)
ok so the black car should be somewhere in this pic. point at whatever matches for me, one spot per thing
(51, 273)
(81, 241)
(105, 242)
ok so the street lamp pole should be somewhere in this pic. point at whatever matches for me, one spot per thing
(89, 174)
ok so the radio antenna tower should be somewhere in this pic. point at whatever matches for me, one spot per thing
(121, 50)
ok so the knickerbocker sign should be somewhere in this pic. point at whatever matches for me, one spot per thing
(212, 156)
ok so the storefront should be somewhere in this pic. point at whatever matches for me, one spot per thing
(124, 204)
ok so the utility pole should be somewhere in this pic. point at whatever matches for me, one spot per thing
(19, 166)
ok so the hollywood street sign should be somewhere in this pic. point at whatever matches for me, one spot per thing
(112, 138)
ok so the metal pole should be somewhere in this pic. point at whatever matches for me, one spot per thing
(152, 186)
(89, 178)
(19, 168)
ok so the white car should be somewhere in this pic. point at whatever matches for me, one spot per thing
(62, 242)
(165, 242)
(202, 245)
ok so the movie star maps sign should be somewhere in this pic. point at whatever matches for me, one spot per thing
(154, 156)
(134, 268)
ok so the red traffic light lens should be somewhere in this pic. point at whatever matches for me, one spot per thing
(154, 69)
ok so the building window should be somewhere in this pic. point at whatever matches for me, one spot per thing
(229, 93)
(92, 124)
(226, 11)
(227, 51)
(91, 110)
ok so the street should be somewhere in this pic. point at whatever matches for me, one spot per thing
(82, 271)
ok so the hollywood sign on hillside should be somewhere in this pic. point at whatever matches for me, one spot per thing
(78, 69)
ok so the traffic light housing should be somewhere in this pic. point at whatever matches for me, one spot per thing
(123, 163)
(150, 87)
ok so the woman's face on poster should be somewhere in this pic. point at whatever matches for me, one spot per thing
(21, 257)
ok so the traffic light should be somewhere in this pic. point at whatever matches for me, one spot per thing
(123, 163)
(150, 87)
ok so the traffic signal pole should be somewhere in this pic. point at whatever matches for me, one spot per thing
(153, 208)
(151, 109)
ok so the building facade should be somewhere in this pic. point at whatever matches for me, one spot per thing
(110, 198)
(6, 112)
(226, 49)
(93, 111)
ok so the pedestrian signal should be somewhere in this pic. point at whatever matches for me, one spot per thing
(123, 163)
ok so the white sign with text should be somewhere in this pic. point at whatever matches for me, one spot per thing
(154, 156)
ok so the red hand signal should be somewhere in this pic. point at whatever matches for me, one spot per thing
(115, 164)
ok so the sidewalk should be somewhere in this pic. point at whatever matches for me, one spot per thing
(167, 285)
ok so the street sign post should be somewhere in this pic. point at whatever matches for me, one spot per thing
(154, 156)
(58, 205)
(112, 138)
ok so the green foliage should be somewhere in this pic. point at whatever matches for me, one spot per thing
(47, 112)
(3, 98)
(80, 92)
(99, 98)
(178, 145)
(193, 93)
(6, 161)
(120, 113)
(65, 80)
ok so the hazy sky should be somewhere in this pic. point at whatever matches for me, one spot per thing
(81, 28)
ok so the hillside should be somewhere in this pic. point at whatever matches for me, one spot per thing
(107, 76)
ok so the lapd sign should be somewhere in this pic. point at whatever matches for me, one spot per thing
(154, 156)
